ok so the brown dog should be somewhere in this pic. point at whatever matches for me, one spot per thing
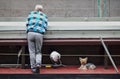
(85, 65)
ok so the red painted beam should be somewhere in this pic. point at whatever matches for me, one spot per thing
(64, 41)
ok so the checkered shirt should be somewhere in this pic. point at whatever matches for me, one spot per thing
(37, 22)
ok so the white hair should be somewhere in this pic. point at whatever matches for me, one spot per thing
(38, 7)
(55, 56)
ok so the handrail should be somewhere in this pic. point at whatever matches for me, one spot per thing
(65, 26)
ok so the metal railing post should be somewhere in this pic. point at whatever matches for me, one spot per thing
(107, 52)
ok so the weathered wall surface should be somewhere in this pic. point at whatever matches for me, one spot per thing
(58, 8)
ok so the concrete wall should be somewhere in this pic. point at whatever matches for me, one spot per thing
(58, 8)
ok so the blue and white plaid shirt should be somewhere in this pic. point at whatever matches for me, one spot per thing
(37, 22)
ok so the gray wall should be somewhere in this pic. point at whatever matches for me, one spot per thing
(58, 8)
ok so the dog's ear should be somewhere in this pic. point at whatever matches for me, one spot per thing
(86, 58)
(80, 58)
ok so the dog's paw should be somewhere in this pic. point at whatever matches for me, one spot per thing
(79, 68)
(82, 68)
